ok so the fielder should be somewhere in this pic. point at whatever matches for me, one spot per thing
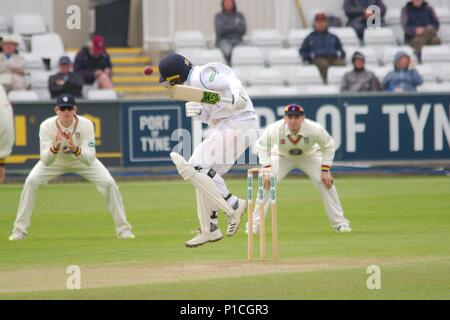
(6, 131)
(234, 129)
(68, 145)
(296, 142)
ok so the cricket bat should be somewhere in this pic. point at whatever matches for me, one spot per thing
(188, 93)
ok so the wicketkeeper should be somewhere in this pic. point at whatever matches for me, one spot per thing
(68, 146)
(297, 142)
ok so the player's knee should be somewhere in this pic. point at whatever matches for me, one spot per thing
(32, 182)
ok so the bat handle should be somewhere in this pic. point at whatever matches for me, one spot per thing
(227, 100)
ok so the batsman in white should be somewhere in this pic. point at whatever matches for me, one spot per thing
(234, 128)
(67, 144)
(296, 142)
(6, 131)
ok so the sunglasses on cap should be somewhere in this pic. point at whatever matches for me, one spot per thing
(294, 108)
(64, 108)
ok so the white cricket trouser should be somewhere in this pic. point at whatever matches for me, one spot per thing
(96, 173)
(311, 166)
(220, 150)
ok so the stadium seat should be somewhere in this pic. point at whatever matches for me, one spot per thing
(266, 76)
(301, 76)
(284, 57)
(296, 37)
(244, 73)
(436, 56)
(335, 74)
(47, 46)
(390, 52)
(427, 73)
(43, 94)
(189, 53)
(28, 24)
(368, 52)
(102, 94)
(379, 38)
(247, 55)
(444, 75)
(189, 39)
(444, 33)
(33, 62)
(257, 91)
(266, 38)
(393, 16)
(435, 87)
(323, 89)
(347, 35)
(3, 25)
(381, 72)
(39, 79)
(443, 14)
(283, 91)
(22, 95)
(207, 56)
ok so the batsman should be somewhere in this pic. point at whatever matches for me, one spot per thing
(296, 142)
(234, 128)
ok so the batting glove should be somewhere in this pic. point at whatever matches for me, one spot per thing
(193, 109)
(240, 100)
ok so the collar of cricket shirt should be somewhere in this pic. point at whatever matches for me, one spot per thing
(293, 137)
(74, 125)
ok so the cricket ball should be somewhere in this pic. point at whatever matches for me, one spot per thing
(148, 70)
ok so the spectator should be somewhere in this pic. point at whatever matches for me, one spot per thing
(420, 23)
(12, 65)
(404, 78)
(357, 13)
(65, 81)
(94, 64)
(359, 79)
(230, 28)
(322, 48)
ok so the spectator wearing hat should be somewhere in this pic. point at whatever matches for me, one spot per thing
(230, 28)
(12, 65)
(421, 24)
(322, 48)
(65, 81)
(357, 13)
(359, 79)
(404, 78)
(94, 63)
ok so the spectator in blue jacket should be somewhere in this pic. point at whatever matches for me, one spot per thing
(94, 64)
(403, 78)
(421, 24)
(322, 48)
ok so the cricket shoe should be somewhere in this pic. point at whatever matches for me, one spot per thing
(126, 234)
(343, 227)
(202, 238)
(234, 219)
(17, 235)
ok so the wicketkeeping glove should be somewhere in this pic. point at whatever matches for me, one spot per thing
(193, 109)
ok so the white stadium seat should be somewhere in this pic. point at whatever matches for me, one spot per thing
(303, 76)
(435, 87)
(266, 76)
(296, 37)
(335, 74)
(390, 52)
(257, 91)
(284, 57)
(266, 38)
(444, 75)
(323, 89)
(102, 94)
(393, 16)
(207, 56)
(270, 91)
(436, 56)
(189, 53)
(23, 95)
(244, 73)
(444, 33)
(189, 39)
(427, 73)
(443, 14)
(381, 72)
(28, 24)
(368, 52)
(379, 38)
(47, 46)
(247, 55)
(33, 62)
(347, 35)
(39, 79)
(3, 25)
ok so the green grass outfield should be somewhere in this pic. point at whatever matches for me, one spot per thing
(401, 224)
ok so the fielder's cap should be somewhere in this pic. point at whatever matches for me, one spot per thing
(66, 100)
(293, 109)
(358, 55)
(10, 38)
(320, 16)
(65, 60)
(174, 66)
(98, 44)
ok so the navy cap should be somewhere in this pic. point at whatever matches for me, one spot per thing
(294, 109)
(66, 100)
(173, 67)
(65, 60)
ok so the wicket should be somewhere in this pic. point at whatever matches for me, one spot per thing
(262, 225)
